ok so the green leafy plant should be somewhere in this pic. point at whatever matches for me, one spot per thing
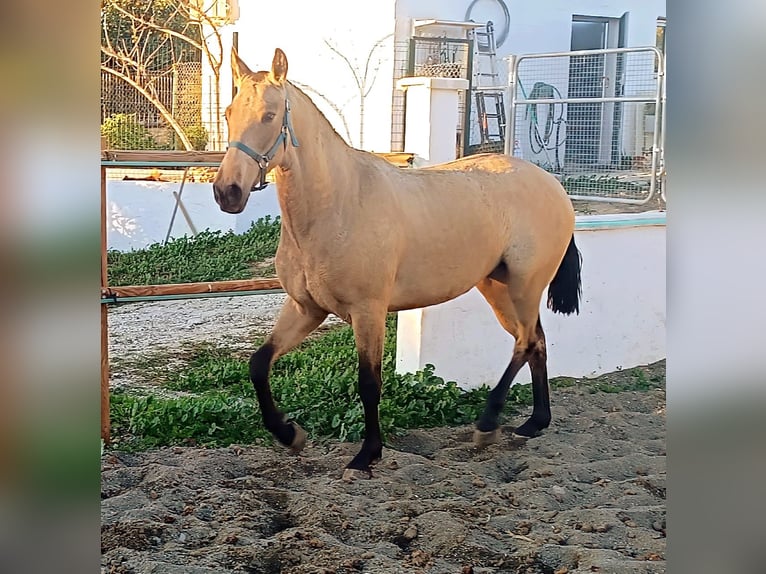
(124, 131)
(583, 184)
(209, 399)
(316, 385)
(208, 256)
(198, 137)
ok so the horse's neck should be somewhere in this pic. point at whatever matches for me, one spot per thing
(313, 183)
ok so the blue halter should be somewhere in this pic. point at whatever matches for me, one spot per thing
(264, 159)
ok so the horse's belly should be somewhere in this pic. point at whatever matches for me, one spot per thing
(430, 283)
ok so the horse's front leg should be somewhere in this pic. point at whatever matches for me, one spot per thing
(294, 323)
(369, 334)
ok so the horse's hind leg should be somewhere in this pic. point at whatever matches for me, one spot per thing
(369, 326)
(294, 323)
(541, 402)
(518, 313)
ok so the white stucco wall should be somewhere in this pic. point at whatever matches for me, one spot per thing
(139, 212)
(621, 322)
(542, 26)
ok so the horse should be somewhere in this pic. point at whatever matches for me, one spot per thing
(361, 238)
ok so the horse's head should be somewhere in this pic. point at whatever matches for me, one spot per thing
(259, 131)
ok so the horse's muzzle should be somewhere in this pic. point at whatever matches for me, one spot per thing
(229, 198)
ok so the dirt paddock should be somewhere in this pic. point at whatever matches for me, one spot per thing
(586, 496)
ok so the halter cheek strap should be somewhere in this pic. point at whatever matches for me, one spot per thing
(264, 159)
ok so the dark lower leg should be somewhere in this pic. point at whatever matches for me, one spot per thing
(369, 391)
(541, 409)
(295, 321)
(273, 419)
(496, 399)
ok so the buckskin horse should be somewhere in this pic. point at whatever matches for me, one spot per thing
(361, 237)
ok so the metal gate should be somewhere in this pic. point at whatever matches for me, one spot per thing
(593, 118)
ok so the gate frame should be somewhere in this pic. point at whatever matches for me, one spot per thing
(657, 169)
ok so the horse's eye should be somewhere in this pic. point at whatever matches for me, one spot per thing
(268, 116)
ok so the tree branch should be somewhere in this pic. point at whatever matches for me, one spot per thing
(348, 63)
(375, 46)
(167, 116)
(135, 19)
(337, 109)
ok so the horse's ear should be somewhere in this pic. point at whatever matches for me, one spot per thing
(238, 68)
(279, 66)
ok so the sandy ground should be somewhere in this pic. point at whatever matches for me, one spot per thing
(586, 496)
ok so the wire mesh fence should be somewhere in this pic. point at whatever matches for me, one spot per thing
(154, 109)
(401, 64)
(429, 57)
(592, 118)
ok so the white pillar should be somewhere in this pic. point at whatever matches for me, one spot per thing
(432, 114)
(431, 134)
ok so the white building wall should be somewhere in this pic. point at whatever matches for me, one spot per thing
(355, 26)
(139, 212)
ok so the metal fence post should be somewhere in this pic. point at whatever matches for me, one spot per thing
(510, 129)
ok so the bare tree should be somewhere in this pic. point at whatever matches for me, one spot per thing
(335, 107)
(364, 76)
(154, 36)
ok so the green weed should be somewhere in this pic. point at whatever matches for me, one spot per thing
(208, 256)
(316, 385)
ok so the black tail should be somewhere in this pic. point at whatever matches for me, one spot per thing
(565, 289)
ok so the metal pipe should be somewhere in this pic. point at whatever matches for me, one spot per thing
(144, 298)
(105, 421)
(609, 199)
(235, 45)
(639, 99)
(175, 207)
(594, 52)
(118, 163)
(510, 116)
(591, 225)
(656, 135)
(662, 174)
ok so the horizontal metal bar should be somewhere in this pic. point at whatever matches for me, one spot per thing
(592, 52)
(145, 298)
(118, 163)
(420, 23)
(653, 221)
(638, 99)
(610, 199)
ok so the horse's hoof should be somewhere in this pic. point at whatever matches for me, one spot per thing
(527, 430)
(352, 474)
(485, 438)
(299, 440)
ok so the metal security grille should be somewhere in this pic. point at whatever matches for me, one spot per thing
(131, 121)
(445, 58)
(592, 118)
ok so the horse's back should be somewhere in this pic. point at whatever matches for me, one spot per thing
(511, 174)
(456, 222)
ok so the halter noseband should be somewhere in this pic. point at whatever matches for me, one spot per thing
(264, 159)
